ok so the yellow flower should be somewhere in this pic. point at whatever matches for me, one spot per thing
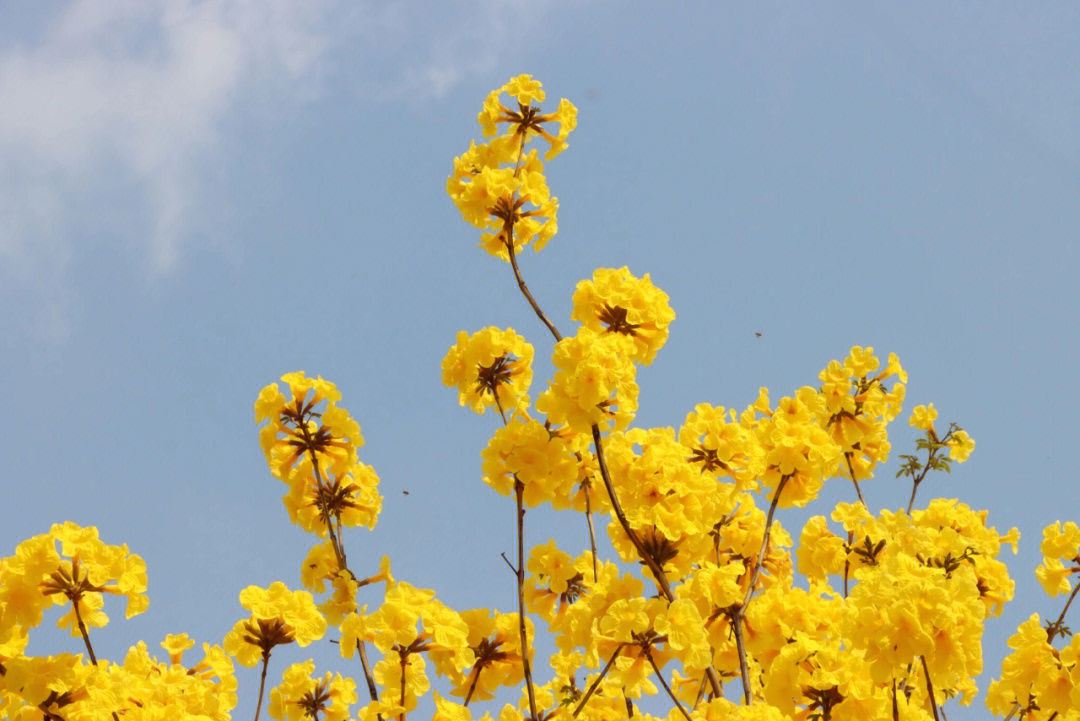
(960, 446)
(821, 552)
(722, 445)
(53, 686)
(447, 710)
(922, 417)
(858, 408)
(594, 384)
(84, 569)
(491, 368)
(1061, 541)
(21, 599)
(552, 566)
(500, 186)
(395, 673)
(496, 658)
(1054, 576)
(526, 120)
(797, 448)
(1031, 677)
(526, 451)
(623, 619)
(176, 644)
(685, 631)
(301, 696)
(861, 362)
(348, 497)
(511, 205)
(308, 424)
(615, 301)
(278, 616)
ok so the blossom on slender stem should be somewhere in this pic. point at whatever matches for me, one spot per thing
(526, 120)
(278, 616)
(491, 368)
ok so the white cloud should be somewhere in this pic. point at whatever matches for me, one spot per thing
(120, 105)
(129, 94)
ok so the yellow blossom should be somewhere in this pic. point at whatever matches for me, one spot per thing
(278, 616)
(594, 384)
(614, 301)
(960, 446)
(491, 368)
(922, 417)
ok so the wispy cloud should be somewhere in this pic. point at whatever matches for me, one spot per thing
(118, 102)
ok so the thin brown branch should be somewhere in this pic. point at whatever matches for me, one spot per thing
(596, 683)
(335, 540)
(519, 490)
(82, 630)
(1058, 627)
(86, 640)
(262, 682)
(509, 240)
(744, 667)
(650, 562)
(764, 544)
(738, 613)
(498, 405)
(847, 562)
(851, 535)
(657, 572)
(931, 454)
(700, 691)
(851, 472)
(339, 554)
(930, 688)
(373, 692)
(525, 289)
(404, 663)
(592, 531)
(914, 490)
(663, 682)
(472, 684)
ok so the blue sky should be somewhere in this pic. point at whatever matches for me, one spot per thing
(196, 197)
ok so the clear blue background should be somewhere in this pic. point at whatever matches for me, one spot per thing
(198, 197)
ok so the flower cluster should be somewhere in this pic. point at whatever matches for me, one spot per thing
(614, 301)
(311, 444)
(1061, 558)
(302, 696)
(498, 186)
(595, 384)
(491, 368)
(278, 616)
(38, 576)
(71, 567)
